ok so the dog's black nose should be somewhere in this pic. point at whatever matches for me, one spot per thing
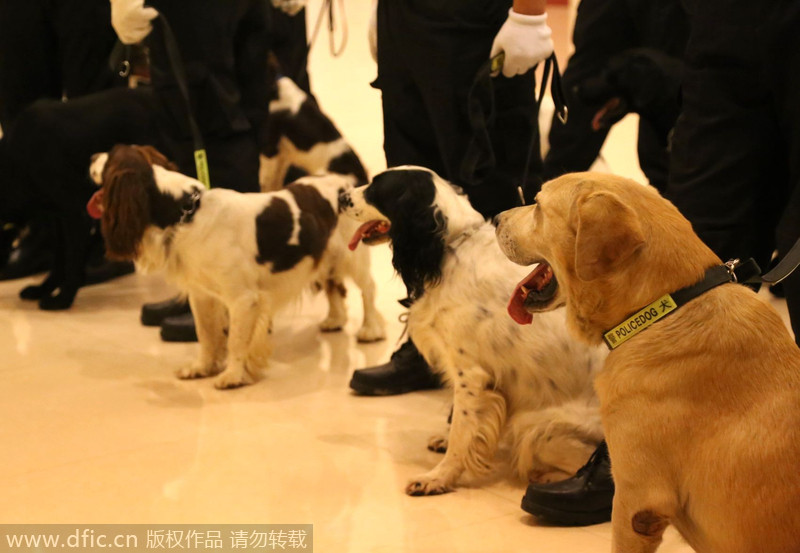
(496, 219)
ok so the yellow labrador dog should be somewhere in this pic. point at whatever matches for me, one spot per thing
(701, 407)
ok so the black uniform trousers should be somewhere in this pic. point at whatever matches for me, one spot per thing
(604, 28)
(289, 43)
(50, 49)
(429, 53)
(736, 146)
(224, 47)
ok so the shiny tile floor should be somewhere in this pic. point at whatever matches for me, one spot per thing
(95, 428)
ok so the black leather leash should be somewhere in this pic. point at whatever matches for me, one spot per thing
(479, 156)
(179, 72)
(785, 266)
(557, 92)
(120, 60)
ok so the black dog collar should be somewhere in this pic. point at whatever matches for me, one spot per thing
(732, 271)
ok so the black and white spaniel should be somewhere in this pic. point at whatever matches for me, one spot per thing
(534, 388)
(299, 137)
(239, 257)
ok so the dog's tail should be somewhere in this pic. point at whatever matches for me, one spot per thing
(551, 444)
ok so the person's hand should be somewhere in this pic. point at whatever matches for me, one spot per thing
(131, 20)
(525, 39)
(372, 34)
(292, 7)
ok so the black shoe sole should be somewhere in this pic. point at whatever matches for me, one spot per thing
(183, 331)
(171, 335)
(156, 317)
(368, 390)
(108, 271)
(565, 518)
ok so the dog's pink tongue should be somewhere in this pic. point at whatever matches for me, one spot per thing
(516, 307)
(94, 207)
(359, 234)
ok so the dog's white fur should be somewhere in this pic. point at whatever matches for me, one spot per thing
(535, 387)
(213, 260)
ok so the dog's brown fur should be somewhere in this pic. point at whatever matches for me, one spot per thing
(701, 410)
(126, 208)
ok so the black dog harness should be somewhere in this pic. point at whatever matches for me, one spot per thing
(733, 271)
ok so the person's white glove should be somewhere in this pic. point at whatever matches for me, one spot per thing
(131, 20)
(525, 39)
(292, 7)
(372, 34)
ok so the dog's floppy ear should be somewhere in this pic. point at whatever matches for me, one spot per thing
(417, 242)
(407, 198)
(126, 210)
(608, 233)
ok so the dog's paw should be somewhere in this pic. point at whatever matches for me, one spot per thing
(427, 485)
(372, 331)
(196, 371)
(438, 444)
(233, 379)
(332, 324)
(34, 292)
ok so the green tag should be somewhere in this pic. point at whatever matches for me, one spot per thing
(639, 321)
(201, 163)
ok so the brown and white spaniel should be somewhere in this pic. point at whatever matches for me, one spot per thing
(239, 257)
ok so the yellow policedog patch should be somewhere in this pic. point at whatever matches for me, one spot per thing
(639, 321)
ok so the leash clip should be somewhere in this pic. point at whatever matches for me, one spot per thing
(731, 265)
(562, 114)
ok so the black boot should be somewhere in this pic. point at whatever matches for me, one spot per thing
(582, 500)
(153, 314)
(179, 328)
(31, 253)
(406, 371)
(106, 270)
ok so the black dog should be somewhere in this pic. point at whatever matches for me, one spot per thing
(44, 174)
(639, 80)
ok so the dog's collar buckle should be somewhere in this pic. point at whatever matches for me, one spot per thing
(734, 271)
(190, 207)
(731, 264)
(744, 272)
